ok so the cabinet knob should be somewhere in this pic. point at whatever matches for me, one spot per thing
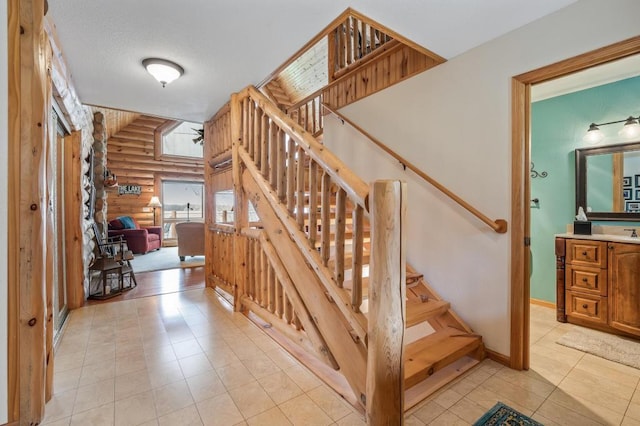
(584, 280)
(584, 253)
(584, 306)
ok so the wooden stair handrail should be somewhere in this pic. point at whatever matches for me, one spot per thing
(355, 187)
(498, 225)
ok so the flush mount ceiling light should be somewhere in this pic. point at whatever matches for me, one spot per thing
(630, 130)
(162, 70)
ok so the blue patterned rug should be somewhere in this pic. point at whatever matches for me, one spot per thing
(502, 414)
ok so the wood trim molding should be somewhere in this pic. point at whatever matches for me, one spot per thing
(74, 265)
(498, 357)
(599, 56)
(520, 180)
(13, 210)
(519, 258)
(157, 140)
(544, 303)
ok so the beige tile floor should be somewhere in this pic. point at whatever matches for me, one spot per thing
(185, 359)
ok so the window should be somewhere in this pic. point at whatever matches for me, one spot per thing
(224, 203)
(182, 201)
(179, 141)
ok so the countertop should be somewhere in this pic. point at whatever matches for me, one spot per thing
(602, 237)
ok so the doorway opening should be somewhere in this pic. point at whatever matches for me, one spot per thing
(521, 182)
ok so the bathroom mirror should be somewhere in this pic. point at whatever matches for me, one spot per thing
(608, 181)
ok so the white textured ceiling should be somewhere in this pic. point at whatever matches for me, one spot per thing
(226, 45)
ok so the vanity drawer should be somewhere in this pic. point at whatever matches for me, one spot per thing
(586, 280)
(591, 308)
(588, 253)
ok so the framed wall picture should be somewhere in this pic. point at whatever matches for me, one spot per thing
(626, 193)
(626, 181)
(636, 181)
(637, 195)
(632, 206)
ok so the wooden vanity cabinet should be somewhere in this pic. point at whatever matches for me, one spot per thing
(624, 287)
(598, 284)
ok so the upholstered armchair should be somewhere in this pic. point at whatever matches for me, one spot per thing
(190, 239)
(140, 240)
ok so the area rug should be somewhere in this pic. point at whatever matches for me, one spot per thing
(609, 346)
(165, 258)
(502, 414)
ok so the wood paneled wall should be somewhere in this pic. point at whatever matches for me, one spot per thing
(394, 65)
(218, 177)
(130, 156)
(115, 119)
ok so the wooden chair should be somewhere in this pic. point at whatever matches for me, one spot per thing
(113, 261)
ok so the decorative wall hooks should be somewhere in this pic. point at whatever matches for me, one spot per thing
(535, 174)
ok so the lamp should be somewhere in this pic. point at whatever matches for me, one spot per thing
(594, 134)
(154, 203)
(162, 70)
(630, 130)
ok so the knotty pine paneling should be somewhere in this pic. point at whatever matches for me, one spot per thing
(395, 65)
(130, 156)
(116, 119)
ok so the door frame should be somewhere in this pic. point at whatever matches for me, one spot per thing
(521, 181)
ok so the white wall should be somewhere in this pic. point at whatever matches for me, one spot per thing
(454, 123)
(4, 135)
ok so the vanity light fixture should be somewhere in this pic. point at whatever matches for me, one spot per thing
(594, 134)
(162, 70)
(630, 130)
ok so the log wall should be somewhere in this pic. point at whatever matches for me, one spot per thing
(79, 249)
(99, 168)
(130, 156)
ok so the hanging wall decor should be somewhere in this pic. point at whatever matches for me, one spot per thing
(535, 174)
(129, 190)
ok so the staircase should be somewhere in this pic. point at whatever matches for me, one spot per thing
(439, 337)
(307, 271)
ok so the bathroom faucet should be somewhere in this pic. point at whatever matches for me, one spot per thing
(633, 232)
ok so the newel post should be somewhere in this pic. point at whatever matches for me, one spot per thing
(387, 292)
(240, 202)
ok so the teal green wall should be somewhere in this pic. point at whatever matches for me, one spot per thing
(558, 125)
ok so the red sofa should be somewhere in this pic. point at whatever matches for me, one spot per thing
(140, 240)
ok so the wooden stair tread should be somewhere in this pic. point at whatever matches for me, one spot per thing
(413, 277)
(418, 312)
(348, 285)
(348, 260)
(431, 353)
